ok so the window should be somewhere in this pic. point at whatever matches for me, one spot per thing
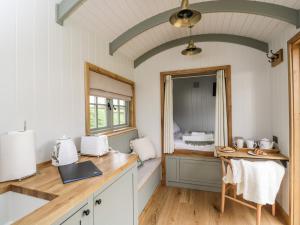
(108, 114)
(120, 117)
(98, 113)
(109, 101)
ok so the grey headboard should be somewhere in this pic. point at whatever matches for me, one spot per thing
(120, 142)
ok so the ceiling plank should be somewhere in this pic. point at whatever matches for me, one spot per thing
(271, 10)
(236, 39)
(65, 8)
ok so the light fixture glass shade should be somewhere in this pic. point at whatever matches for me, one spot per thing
(191, 49)
(185, 17)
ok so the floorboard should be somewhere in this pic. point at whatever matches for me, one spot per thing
(178, 206)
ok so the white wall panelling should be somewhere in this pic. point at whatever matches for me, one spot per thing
(42, 71)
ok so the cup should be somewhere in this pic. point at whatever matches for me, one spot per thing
(239, 143)
(251, 144)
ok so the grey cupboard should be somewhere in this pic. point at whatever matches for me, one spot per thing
(115, 203)
(201, 173)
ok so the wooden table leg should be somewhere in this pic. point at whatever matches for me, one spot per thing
(274, 209)
(223, 197)
(234, 190)
(258, 214)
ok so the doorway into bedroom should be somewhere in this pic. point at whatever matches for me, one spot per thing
(188, 121)
(194, 106)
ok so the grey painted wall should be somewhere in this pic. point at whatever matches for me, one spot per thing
(194, 108)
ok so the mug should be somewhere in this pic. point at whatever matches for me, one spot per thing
(239, 143)
(251, 144)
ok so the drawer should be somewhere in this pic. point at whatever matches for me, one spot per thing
(84, 216)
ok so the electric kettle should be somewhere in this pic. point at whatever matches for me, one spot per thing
(64, 152)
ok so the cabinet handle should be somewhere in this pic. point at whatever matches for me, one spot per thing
(98, 202)
(86, 212)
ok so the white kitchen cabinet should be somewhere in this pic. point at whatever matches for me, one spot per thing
(115, 205)
(84, 216)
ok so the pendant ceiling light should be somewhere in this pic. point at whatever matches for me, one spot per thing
(185, 17)
(191, 49)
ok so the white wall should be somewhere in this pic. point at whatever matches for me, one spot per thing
(251, 99)
(41, 77)
(280, 105)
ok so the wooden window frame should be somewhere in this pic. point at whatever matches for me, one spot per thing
(132, 118)
(187, 73)
(294, 122)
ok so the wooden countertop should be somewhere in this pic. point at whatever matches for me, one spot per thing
(47, 184)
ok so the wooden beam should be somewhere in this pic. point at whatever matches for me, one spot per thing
(229, 38)
(271, 10)
(65, 8)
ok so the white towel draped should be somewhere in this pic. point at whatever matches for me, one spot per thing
(258, 181)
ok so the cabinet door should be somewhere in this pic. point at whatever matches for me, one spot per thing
(83, 216)
(115, 205)
(202, 171)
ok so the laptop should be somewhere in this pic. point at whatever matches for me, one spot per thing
(78, 171)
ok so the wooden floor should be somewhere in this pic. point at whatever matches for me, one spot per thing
(177, 206)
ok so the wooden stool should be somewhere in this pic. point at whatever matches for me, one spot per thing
(226, 187)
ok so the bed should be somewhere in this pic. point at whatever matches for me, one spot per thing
(196, 141)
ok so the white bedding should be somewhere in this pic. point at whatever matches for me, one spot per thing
(196, 136)
(180, 144)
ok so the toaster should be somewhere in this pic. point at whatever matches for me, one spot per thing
(94, 145)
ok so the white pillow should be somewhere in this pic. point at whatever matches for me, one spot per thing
(176, 128)
(144, 148)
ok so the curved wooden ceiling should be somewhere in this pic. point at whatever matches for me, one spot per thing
(275, 11)
(113, 18)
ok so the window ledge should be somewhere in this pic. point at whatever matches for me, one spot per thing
(117, 131)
